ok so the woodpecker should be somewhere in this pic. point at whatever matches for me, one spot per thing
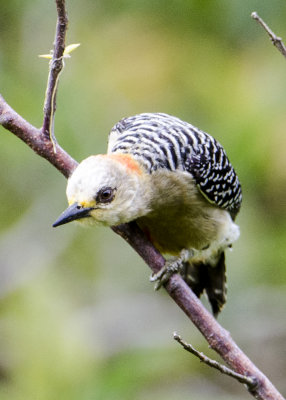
(176, 182)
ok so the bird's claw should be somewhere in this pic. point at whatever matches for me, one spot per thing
(171, 267)
(161, 277)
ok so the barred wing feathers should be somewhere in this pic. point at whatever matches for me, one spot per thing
(163, 141)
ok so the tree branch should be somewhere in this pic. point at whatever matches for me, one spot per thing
(35, 139)
(277, 41)
(56, 66)
(249, 382)
(218, 338)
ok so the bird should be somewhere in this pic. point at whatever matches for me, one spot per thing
(177, 183)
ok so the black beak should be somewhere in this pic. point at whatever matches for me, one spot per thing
(75, 211)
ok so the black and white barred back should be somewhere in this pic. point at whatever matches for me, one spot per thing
(163, 141)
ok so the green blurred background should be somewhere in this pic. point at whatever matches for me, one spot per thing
(79, 319)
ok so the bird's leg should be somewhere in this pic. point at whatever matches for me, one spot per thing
(171, 267)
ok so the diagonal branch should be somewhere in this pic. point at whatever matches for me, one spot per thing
(277, 41)
(217, 337)
(40, 141)
(249, 382)
(56, 66)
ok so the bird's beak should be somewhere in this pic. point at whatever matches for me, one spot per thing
(73, 212)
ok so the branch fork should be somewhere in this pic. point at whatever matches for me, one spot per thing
(250, 382)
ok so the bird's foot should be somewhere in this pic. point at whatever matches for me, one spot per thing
(171, 267)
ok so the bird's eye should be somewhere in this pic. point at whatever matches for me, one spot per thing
(105, 195)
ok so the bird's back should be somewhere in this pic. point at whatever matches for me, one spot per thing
(161, 141)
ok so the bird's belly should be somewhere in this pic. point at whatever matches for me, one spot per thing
(212, 230)
(181, 218)
(172, 237)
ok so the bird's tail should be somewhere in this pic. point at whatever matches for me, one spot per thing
(209, 278)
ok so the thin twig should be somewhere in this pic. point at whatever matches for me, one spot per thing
(55, 67)
(276, 40)
(250, 382)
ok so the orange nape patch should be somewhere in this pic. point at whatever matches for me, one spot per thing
(128, 161)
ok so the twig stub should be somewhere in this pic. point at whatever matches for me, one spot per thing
(249, 381)
(276, 40)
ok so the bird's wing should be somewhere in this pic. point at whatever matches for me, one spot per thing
(163, 141)
(215, 176)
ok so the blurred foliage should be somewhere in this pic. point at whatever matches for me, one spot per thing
(79, 319)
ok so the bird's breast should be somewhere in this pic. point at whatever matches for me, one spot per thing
(181, 218)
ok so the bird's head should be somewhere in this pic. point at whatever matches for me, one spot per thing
(106, 189)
